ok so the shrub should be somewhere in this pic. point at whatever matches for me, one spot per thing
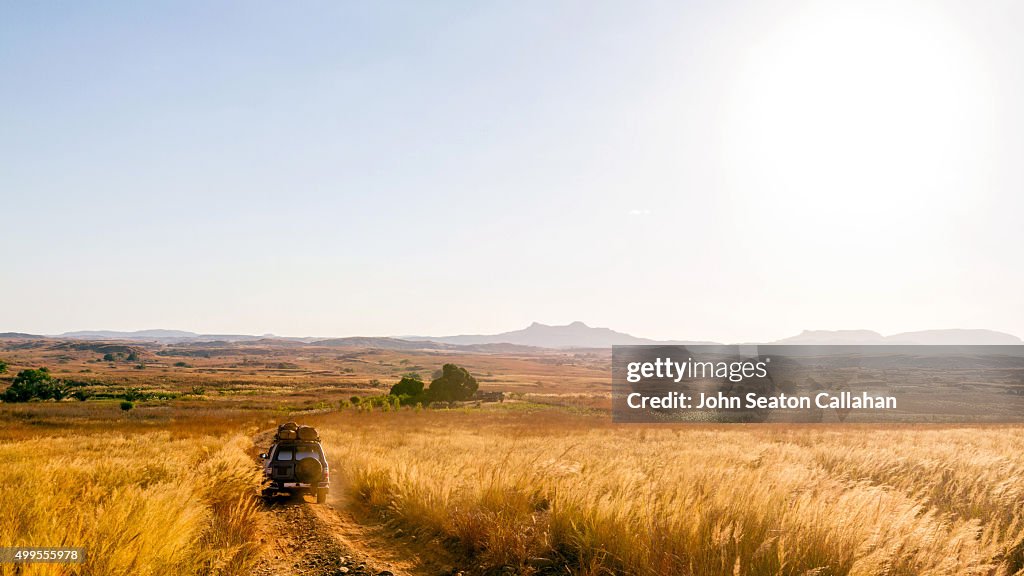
(182, 364)
(81, 395)
(133, 394)
(127, 405)
(3, 366)
(407, 386)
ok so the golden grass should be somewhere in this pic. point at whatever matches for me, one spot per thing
(141, 503)
(757, 500)
(168, 489)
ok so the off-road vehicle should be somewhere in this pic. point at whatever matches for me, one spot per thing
(296, 464)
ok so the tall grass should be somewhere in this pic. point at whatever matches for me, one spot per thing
(529, 489)
(756, 500)
(140, 504)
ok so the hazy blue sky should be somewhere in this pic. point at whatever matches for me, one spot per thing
(720, 170)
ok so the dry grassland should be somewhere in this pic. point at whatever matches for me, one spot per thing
(174, 501)
(545, 486)
(521, 489)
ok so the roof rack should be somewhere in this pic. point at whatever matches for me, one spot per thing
(294, 431)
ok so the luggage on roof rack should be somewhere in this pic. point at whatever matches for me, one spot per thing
(293, 431)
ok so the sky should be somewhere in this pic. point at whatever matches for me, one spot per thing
(719, 170)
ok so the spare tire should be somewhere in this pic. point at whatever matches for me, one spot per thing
(308, 470)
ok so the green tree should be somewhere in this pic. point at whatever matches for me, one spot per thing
(30, 384)
(407, 386)
(3, 366)
(455, 383)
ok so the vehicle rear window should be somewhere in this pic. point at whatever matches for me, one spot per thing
(298, 452)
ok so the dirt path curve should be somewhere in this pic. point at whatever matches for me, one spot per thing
(302, 538)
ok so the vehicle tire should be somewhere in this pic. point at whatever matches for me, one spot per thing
(321, 495)
(309, 471)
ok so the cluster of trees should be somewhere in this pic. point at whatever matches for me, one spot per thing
(32, 384)
(132, 356)
(454, 383)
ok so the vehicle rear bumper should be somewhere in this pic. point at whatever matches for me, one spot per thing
(285, 485)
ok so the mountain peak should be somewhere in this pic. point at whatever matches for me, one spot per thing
(573, 335)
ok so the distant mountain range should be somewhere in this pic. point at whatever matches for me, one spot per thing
(575, 335)
(536, 335)
(170, 336)
(929, 337)
(579, 335)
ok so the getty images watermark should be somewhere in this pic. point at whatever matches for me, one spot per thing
(818, 383)
(735, 373)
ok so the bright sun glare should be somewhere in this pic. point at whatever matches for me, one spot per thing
(855, 117)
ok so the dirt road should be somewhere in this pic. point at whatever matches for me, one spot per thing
(302, 538)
